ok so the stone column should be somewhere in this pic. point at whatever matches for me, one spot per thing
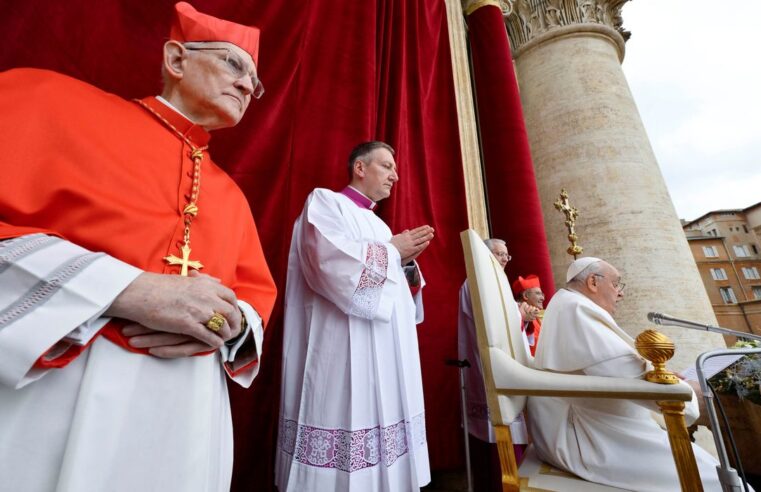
(586, 136)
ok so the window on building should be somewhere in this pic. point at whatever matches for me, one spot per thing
(757, 291)
(745, 228)
(728, 295)
(751, 273)
(713, 232)
(741, 250)
(710, 251)
(719, 274)
(754, 248)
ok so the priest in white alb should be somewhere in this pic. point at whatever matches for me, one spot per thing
(351, 414)
(613, 442)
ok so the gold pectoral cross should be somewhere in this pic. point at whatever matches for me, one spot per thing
(185, 261)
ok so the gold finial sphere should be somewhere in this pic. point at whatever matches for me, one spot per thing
(658, 349)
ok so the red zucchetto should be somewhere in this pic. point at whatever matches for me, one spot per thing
(525, 283)
(190, 25)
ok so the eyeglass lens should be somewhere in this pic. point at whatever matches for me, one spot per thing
(237, 68)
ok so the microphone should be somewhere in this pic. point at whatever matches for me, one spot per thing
(665, 319)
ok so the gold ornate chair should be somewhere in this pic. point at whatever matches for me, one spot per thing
(509, 381)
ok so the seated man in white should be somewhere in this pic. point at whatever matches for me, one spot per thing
(612, 442)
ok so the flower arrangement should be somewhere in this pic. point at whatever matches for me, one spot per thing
(743, 377)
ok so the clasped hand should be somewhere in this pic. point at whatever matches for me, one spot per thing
(411, 243)
(169, 313)
(528, 312)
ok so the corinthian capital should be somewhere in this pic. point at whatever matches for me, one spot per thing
(529, 19)
(470, 6)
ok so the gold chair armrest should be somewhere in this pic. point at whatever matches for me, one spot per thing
(512, 378)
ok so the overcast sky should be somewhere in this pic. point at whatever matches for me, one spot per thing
(694, 67)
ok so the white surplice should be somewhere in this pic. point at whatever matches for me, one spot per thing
(613, 442)
(111, 419)
(479, 423)
(352, 416)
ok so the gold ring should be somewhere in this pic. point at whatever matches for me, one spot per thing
(216, 322)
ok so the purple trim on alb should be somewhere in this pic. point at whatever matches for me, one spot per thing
(351, 451)
(358, 198)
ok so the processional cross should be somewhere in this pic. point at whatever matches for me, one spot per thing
(571, 213)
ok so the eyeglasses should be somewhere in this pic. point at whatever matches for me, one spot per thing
(236, 67)
(619, 286)
(503, 255)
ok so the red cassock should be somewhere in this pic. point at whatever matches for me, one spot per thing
(106, 174)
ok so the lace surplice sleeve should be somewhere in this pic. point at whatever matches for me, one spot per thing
(359, 276)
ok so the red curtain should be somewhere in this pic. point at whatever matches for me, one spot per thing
(336, 73)
(515, 210)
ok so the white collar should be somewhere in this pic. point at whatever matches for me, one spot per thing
(171, 106)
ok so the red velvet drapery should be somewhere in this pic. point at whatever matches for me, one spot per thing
(336, 73)
(515, 210)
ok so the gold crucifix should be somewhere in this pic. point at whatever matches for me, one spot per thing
(185, 261)
(571, 214)
(191, 209)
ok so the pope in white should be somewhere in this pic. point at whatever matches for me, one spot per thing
(613, 442)
(351, 414)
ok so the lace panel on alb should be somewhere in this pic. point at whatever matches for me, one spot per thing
(351, 450)
(367, 296)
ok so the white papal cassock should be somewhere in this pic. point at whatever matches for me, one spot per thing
(613, 442)
(351, 415)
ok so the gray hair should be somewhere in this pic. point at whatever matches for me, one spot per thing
(489, 242)
(591, 269)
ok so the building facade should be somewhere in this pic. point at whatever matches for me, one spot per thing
(726, 245)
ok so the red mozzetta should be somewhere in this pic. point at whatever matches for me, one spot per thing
(106, 174)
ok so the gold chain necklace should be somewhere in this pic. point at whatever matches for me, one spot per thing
(191, 208)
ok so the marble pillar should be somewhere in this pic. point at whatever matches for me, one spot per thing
(587, 136)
